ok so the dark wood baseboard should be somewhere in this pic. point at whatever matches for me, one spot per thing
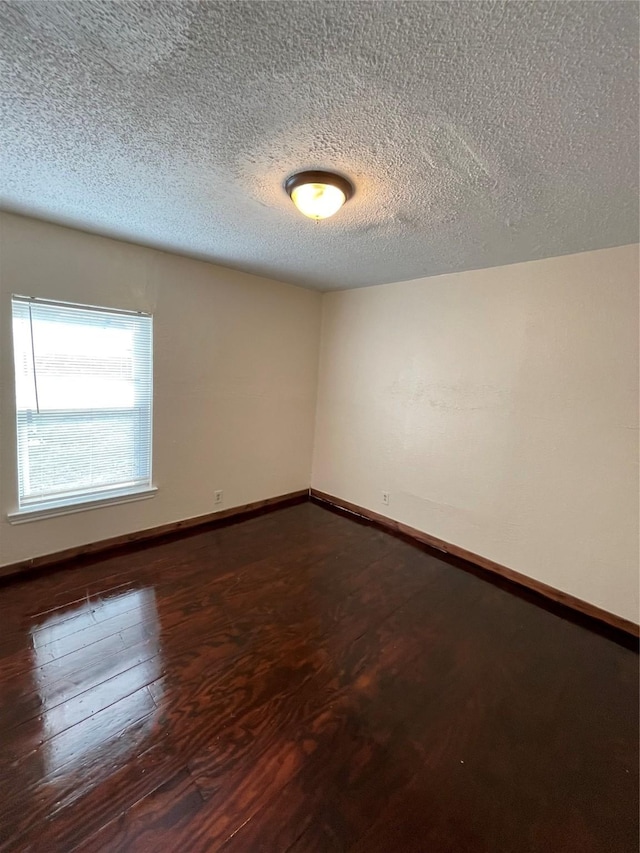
(488, 565)
(227, 516)
(211, 519)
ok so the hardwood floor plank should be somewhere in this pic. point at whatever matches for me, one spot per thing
(367, 730)
(66, 813)
(302, 681)
(168, 808)
(80, 759)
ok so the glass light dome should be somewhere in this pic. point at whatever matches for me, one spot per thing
(318, 195)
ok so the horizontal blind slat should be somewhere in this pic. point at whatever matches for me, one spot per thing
(84, 380)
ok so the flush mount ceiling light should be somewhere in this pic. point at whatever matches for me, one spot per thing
(318, 194)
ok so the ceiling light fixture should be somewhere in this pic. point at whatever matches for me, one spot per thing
(318, 194)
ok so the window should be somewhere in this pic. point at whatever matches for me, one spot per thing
(83, 401)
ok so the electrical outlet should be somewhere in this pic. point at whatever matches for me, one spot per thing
(385, 498)
(217, 497)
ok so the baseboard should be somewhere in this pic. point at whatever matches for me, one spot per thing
(257, 507)
(212, 519)
(484, 563)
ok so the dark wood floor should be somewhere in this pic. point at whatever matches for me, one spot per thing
(304, 682)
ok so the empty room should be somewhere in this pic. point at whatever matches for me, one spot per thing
(319, 333)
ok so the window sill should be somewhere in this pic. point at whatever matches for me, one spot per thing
(22, 516)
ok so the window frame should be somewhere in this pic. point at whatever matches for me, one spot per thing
(83, 500)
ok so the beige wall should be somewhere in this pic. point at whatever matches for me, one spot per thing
(499, 408)
(235, 377)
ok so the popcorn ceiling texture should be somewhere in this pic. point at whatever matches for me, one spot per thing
(477, 134)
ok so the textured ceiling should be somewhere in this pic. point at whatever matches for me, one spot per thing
(476, 134)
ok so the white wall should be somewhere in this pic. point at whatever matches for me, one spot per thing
(500, 409)
(235, 377)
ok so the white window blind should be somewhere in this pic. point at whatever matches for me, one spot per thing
(83, 401)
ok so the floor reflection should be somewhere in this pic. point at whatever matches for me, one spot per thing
(93, 664)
